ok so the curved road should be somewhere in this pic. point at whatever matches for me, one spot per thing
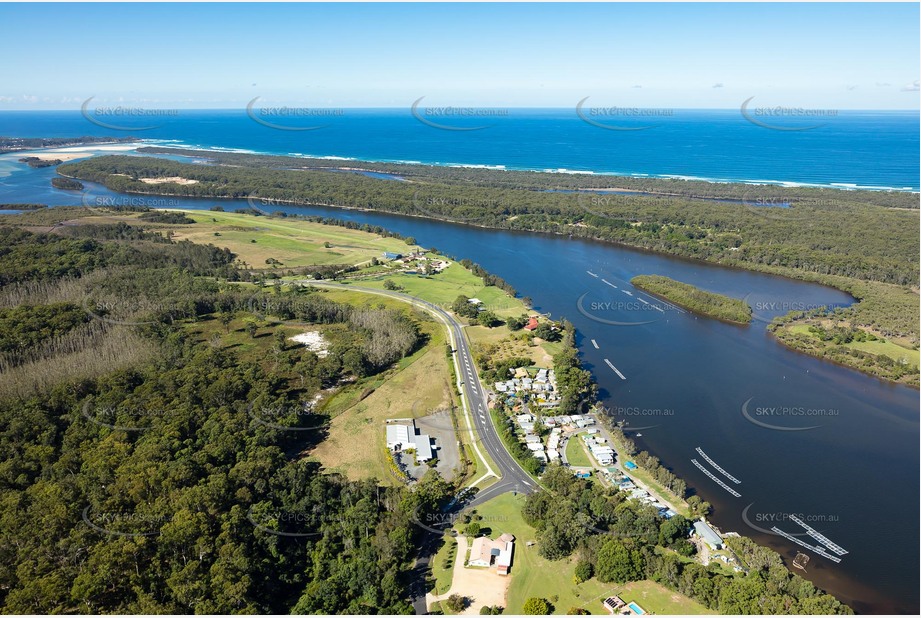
(512, 475)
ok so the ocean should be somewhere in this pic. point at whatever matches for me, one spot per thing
(849, 149)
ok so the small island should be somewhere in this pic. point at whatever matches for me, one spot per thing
(38, 162)
(694, 299)
(68, 184)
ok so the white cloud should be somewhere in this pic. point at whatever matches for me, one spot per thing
(718, 85)
(912, 87)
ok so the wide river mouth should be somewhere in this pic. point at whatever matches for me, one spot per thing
(826, 444)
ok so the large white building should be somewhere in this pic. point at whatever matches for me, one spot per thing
(403, 436)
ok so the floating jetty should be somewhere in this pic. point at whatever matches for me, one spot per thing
(609, 283)
(819, 550)
(716, 480)
(801, 560)
(595, 343)
(718, 469)
(611, 365)
(821, 538)
(658, 308)
(628, 293)
(592, 274)
(641, 300)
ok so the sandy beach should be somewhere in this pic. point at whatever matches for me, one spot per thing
(69, 153)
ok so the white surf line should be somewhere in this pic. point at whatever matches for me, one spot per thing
(615, 369)
(718, 469)
(609, 283)
(595, 343)
(819, 550)
(592, 274)
(716, 480)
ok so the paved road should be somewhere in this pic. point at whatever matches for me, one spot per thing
(512, 477)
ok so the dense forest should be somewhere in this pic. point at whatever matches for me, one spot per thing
(515, 179)
(862, 242)
(619, 540)
(814, 237)
(138, 474)
(694, 299)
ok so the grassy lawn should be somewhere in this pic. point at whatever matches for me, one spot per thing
(575, 452)
(417, 386)
(443, 288)
(293, 242)
(443, 566)
(879, 348)
(534, 576)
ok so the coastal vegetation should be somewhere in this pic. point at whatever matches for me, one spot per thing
(627, 547)
(798, 232)
(36, 162)
(694, 299)
(123, 343)
(67, 184)
(12, 144)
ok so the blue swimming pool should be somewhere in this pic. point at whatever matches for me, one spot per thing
(636, 608)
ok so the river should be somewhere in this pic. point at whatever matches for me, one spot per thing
(828, 444)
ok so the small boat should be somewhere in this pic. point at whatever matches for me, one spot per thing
(639, 435)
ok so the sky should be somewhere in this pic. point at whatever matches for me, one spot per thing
(826, 56)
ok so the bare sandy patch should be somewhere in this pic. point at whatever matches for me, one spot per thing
(45, 156)
(481, 586)
(179, 180)
(314, 342)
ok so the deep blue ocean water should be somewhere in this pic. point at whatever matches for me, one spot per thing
(851, 149)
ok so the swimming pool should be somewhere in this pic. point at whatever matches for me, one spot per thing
(636, 608)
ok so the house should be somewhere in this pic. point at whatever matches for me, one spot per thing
(535, 446)
(613, 604)
(485, 552)
(532, 324)
(553, 454)
(708, 535)
(583, 474)
(389, 255)
(474, 301)
(532, 439)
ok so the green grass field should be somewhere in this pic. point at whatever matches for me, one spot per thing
(295, 243)
(443, 566)
(575, 452)
(879, 348)
(442, 288)
(534, 576)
